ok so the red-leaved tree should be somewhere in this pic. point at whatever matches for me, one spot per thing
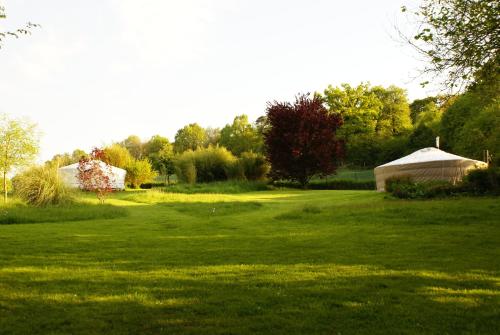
(301, 141)
(94, 175)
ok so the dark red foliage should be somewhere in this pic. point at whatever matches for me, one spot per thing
(301, 140)
(94, 175)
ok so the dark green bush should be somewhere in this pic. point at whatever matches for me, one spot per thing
(404, 187)
(426, 190)
(212, 164)
(147, 186)
(222, 187)
(483, 181)
(477, 182)
(331, 185)
(204, 165)
(393, 183)
(254, 166)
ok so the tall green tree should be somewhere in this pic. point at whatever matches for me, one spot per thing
(160, 158)
(241, 136)
(394, 114)
(18, 145)
(372, 117)
(59, 160)
(420, 105)
(213, 136)
(139, 172)
(64, 159)
(472, 124)
(134, 145)
(358, 106)
(117, 155)
(190, 137)
(165, 162)
(460, 38)
(155, 144)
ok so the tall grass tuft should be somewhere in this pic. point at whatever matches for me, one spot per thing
(41, 186)
(204, 165)
(254, 166)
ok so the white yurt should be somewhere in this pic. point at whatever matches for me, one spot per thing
(426, 165)
(69, 175)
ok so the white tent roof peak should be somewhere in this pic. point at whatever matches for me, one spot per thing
(426, 155)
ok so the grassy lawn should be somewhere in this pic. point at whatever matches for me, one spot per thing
(272, 262)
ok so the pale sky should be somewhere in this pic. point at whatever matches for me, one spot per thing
(100, 70)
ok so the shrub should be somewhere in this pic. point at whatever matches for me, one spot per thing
(148, 186)
(477, 182)
(219, 187)
(483, 181)
(337, 184)
(185, 168)
(236, 171)
(95, 175)
(340, 184)
(253, 166)
(117, 155)
(212, 164)
(394, 182)
(139, 172)
(41, 186)
(205, 165)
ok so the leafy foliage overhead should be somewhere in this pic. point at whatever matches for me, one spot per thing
(26, 30)
(460, 38)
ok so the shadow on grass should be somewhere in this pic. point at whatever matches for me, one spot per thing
(232, 299)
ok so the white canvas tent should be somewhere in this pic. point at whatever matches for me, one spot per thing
(69, 175)
(426, 165)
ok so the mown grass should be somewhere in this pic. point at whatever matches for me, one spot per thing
(15, 212)
(280, 262)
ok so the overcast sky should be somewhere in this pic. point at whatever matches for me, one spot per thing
(100, 70)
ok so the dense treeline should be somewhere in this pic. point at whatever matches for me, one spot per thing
(378, 125)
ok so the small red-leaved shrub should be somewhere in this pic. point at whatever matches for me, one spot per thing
(94, 175)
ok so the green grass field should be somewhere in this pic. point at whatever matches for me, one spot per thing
(271, 262)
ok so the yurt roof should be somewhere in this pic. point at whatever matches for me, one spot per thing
(426, 155)
(102, 164)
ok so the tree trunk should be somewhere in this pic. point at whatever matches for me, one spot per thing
(4, 186)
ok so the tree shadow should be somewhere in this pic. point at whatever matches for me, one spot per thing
(274, 299)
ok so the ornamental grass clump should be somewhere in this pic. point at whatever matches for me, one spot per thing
(41, 186)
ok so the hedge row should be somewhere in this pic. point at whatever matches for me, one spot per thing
(338, 184)
(478, 182)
